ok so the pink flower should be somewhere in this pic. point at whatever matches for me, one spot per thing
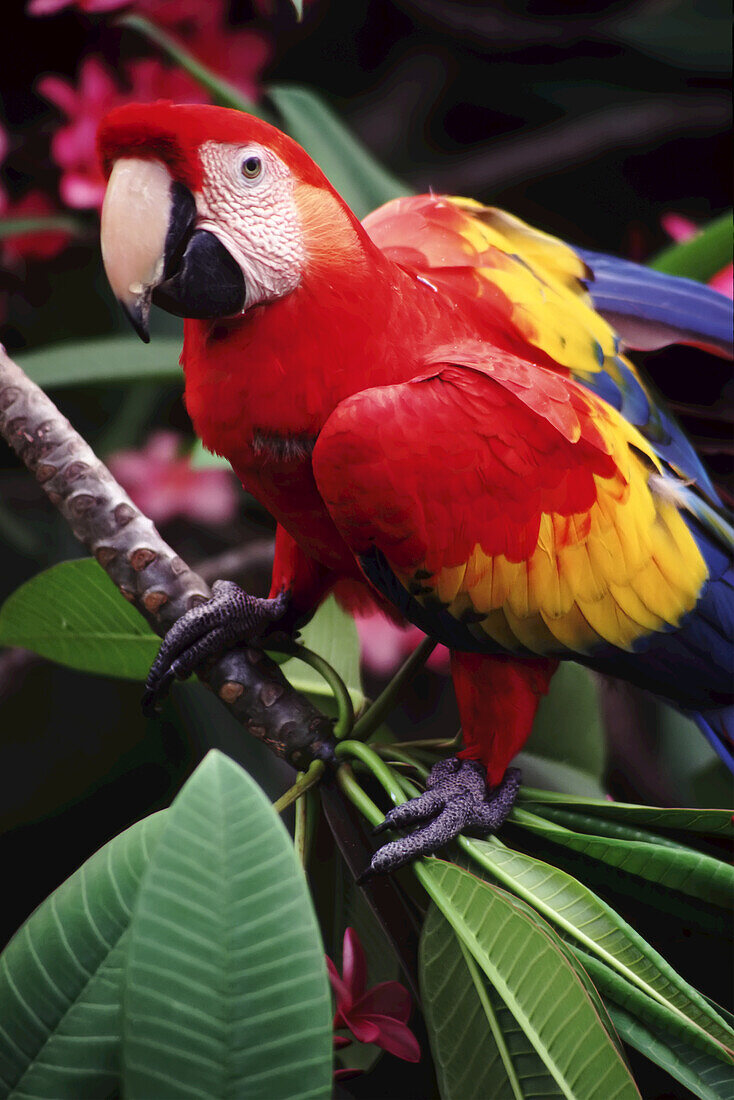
(42, 245)
(74, 146)
(160, 480)
(681, 228)
(237, 55)
(50, 7)
(386, 645)
(378, 1015)
(165, 12)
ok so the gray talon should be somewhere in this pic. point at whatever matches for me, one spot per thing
(230, 617)
(456, 800)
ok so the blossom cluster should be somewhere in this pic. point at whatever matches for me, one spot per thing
(238, 54)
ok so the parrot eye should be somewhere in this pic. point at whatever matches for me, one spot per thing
(251, 167)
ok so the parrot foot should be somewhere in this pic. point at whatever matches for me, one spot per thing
(456, 800)
(230, 617)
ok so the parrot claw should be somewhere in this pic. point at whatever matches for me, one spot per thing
(230, 617)
(456, 800)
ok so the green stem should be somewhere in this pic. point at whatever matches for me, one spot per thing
(382, 773)
(351, 788)
(375, 715)
(223, 93)
(431, 743)
(345, 708)
(403, 757)
(300, 833)
(304, 783)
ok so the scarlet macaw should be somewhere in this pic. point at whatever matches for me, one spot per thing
(437, 408)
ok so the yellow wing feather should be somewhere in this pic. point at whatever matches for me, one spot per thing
(625, 568)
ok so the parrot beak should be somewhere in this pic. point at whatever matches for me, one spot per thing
(152, 252)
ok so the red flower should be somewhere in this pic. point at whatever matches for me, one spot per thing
(682, 229)
(385, 645)
(378, 1015)
(162, 483)
(28, 246)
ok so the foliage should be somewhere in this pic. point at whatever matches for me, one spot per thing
(186, 957)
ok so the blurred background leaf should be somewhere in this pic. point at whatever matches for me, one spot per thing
(74, 614)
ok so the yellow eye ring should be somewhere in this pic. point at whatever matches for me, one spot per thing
(251, 167)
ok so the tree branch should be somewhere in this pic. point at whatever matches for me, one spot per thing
(146, 570)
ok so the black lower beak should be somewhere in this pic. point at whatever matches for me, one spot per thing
(199, 278)
(204, 282)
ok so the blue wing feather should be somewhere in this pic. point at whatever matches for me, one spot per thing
(650, 309)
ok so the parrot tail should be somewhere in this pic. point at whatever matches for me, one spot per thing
(718, 729)
(650, 310)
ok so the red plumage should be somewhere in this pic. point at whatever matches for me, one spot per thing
(413, 396)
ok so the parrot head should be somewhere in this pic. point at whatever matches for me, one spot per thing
(209, 211)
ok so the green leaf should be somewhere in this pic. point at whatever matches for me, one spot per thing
(651, 1012)
(350, 168)
(110, 359)
(701, 256)
(552, 775)
(568, 727)
(332, 634)
(709, 822)
(73, 614)
(599, 826)
(703, 1075)
(17, 227)
(671, 865)
(60, 978)
(580, 1056)
(478, 1047)
(225, 988)
(584, 919)
(298, 5)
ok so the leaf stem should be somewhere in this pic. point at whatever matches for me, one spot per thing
(373, 717)
(381, 771)
(345, 707)
(224, 93)
(431, 743)
(357, 796)
(300, 833)
(304, 783)
(403, 757)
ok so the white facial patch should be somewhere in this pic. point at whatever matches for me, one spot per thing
(252, 212)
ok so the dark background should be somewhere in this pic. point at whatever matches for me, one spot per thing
(589, 120)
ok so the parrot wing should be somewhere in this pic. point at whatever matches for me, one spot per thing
(503, 508)
(546, 295)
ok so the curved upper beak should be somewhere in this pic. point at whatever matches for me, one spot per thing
(152, 251)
